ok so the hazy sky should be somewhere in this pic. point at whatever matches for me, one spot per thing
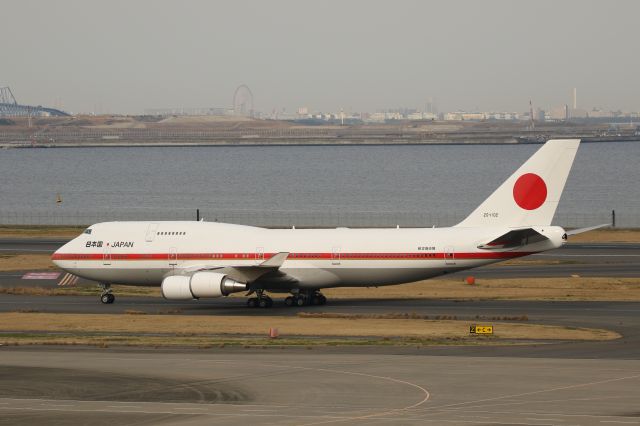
(125, 56)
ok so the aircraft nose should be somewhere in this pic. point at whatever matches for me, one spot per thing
(58, 256)
(55, 258)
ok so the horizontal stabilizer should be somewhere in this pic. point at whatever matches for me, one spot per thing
(515, 238)
(590, 228)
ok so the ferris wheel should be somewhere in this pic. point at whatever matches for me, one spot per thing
(243, 101)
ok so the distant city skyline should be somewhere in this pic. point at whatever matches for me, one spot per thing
(85, 57)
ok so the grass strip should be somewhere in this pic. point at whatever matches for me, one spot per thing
(201, 328)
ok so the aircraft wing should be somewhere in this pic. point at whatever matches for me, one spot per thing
(246, 273)
(515, 238)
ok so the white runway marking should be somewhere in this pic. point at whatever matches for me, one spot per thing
(470, 404)
(332, 419)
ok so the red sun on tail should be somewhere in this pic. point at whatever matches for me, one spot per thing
(530, 191)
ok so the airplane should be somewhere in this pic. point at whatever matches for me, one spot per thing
(198, 259)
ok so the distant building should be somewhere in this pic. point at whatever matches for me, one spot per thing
(560, 113)
(421, 116)
(188, 111)
(578, 113)
(598, 113)
(464, 116)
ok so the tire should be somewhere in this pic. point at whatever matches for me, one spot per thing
(263, 302)
(322, 300)
(300, 301)
(269, 302)
(252, 302)
(105, 299)
(112, 298)
(288, 301)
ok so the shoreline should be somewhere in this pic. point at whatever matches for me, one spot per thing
(294, 142)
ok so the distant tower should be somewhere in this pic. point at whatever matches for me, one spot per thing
(532, 123)
(575, 98)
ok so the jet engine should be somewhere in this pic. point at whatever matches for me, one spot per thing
(200, 284)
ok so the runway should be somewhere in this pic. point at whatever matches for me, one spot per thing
(302, 387)
(541, 383)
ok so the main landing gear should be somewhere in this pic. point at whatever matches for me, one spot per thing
(107, 296)
(306, 298)
(300, 298)
(261, 301)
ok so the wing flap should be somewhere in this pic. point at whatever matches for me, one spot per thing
(244, 273)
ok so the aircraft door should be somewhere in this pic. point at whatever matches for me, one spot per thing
(151, 232)
(173, 257)
(106, 255)
(335, 256)
(259, 255)
(449, 256)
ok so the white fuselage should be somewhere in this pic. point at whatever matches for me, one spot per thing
(144, 253)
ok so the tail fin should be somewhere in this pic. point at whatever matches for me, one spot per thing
(530, 196)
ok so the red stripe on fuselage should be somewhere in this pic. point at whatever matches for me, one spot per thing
(292, 256)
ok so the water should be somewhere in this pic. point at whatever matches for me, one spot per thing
(316, 185)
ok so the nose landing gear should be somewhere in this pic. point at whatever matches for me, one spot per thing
(107, 296)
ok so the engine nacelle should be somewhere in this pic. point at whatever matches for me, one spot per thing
(200, 284)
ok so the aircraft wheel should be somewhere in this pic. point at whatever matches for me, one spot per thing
(112, 298)
(265, 302)
(289, 301)
(106, 299)
(300, 301)
(322, 299)
(252, 302)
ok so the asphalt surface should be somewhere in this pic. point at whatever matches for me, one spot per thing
(310, 387)
(534, 383)
(31, 245)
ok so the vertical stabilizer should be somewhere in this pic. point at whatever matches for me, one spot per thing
(530, 196)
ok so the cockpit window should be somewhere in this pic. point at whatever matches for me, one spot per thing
(87, 231)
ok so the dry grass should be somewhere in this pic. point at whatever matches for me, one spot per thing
(120, 290)
(36, 231)
(617, 235)
(194, 326)
(406, 315)
(578, 288)
(25, 262)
